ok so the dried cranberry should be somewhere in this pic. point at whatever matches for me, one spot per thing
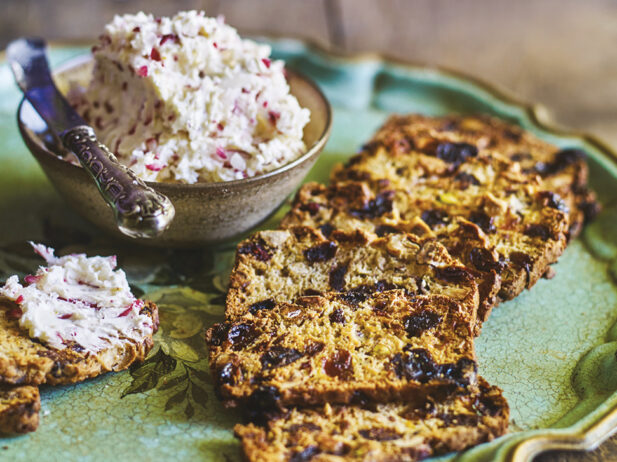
(466, 179)
(482, 220)
(382, 285)
(266, 304)
(382, 230)
(553, 201)
(227, 374)
(241, 335)
(279, 356)
(462, 373)
(562, 160)
(417, 323)
(326, 229)
(434, 217)
(218, 334)
(337, 277)
(522, 260)
(453, 274)
(256, 249)
(354, 297)
(311, 207)
(488, 405)
(568, 156)
(482, 259)
(337, 316)
(590, 209)
(379, 434)
(264, 398)
(538, 230)
(455, 153)
(416, 364)
(321, 252)
(339, 364)
(305, 455)
(375, 207)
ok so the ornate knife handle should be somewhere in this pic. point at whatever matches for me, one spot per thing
(140, 211)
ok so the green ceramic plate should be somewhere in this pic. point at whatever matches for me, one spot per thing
(552, 350)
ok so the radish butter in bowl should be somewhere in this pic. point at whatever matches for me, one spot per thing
(203, 116)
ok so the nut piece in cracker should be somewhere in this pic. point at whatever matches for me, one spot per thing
(73, 319)
(19, 409)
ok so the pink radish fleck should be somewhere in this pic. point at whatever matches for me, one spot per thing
(167, 37)
(19, 299)
(221, 153)
(142, 71)
(266, 62)
(30, 279)
(65, 316)
(155, 55)
(125, 312)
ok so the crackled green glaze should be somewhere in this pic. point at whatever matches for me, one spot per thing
(552, 349)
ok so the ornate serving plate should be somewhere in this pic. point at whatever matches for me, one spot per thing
(552, 349)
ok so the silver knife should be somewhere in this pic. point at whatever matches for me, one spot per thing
(140, 211)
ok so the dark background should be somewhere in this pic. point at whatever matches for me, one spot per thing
(560, 53)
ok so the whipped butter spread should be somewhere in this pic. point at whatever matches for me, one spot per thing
(186, 99)
(78, 300)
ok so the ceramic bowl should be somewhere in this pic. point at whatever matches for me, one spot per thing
(205, 212)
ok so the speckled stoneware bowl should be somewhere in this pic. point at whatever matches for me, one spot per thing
(205, 212)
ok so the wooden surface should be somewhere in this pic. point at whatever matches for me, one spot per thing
(560, 53)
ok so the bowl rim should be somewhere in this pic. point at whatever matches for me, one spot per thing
(314, 149)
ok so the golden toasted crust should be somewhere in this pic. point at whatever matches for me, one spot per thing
(282, 265)
(27, 361)
(430, 169)
(339, 347)
(387, 432)
(19, 409)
